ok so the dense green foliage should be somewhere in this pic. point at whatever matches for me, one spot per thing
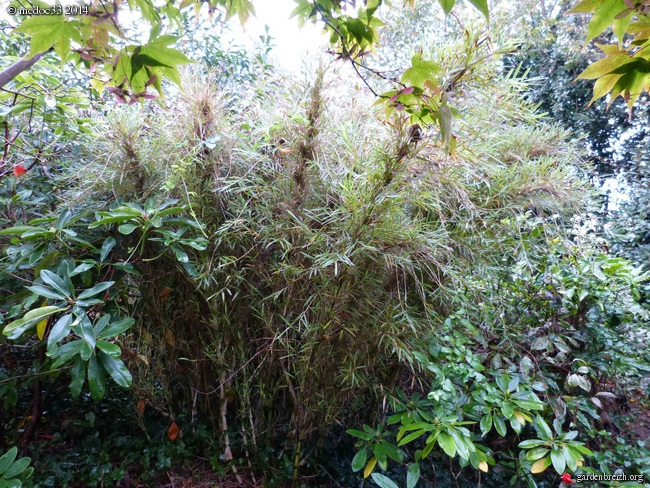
(248, 271)
(553, 57)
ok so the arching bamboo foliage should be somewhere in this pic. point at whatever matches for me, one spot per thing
(337, 241)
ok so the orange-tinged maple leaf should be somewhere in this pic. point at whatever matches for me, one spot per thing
(20, 170)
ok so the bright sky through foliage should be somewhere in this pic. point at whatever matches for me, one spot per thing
(291, 42)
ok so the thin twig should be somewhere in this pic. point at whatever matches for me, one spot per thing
(32, 375)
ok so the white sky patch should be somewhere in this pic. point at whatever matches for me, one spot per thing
(291, 43)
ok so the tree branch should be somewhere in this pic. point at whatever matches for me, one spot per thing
(18, 67)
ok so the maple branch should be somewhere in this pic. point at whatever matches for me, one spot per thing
(18, 67)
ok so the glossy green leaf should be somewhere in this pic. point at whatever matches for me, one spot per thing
(116, 368)
(56, 282)
(77, 375)
(82, 268)
(7, 459)
(570, 459)
(96, 378)
(107, 247)
(113, 219)
(169, 211)
(64, 219)
(412, 475)
(19, 230)
(180, 254)
(559, 463)
(411, 436)
(486, 423)
(116, 328)
(360, 434)
(500, 425)
(31, 318)
(46, 292)
(380, 453)
(359, 460)
(581, 449)
(98, 288)
(87, 332)
(447, 444)
(508, 410)
(17, 467)
(536, 453)
(109, 348)
(580, 381)
(543, 429)
(60, 329)
(527, 444)
(127, 229)
(66, 351)
(101, 324)
(428, 448)
(393, 451)
(462, 444)
(86, 351)
(383, 481)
